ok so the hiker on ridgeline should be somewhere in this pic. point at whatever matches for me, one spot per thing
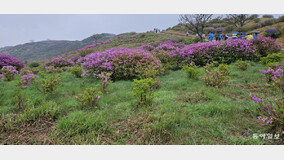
(210, 36)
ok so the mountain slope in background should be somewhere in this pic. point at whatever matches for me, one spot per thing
(50, 48)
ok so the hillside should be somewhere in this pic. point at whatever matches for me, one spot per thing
(50, 48)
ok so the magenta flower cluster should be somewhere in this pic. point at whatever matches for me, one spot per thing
(255, 98)
(59, 62)
(265, 45)
(9, 72)
(1, 77)
(270, 111)
(122, 63)
(27, 80)
(273, 76)
(6, 60)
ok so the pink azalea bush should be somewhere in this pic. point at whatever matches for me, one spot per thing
(6, 60)
(270, 113)
(120, 62)
(27, 80)
(265, 45)
(9, 72)
(59, 62)
(1, 77)
(273, 76)
(271, 109)
(221, 51)
(105, 81)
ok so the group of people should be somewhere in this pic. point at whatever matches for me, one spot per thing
(156, 30)
(220, 37)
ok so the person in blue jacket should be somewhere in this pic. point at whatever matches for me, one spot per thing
(210, 36)
(255, 35)
(220, 37)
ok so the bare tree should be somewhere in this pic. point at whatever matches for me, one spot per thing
(238, 20)
(195, 22)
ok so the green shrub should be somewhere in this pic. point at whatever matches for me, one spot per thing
(80, 122)
(90, 98)
(224, 69)
(281, 19)
(192, 72)
(49, 110)
(272, 58)
(242, 65)
(77, 71)
(50, 83)
(85, 52)
(143, 89)
(33, 64)
(256, 20)
(217, 77)
(268, 22)
(267, 16)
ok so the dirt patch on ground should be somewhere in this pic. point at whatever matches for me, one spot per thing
(26, 133)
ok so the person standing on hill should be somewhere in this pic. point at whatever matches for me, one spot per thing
(210, 36)
(220, 37)
(186, 33)
(249, 36)
(217, 36)
(226, 36)
(234, 36)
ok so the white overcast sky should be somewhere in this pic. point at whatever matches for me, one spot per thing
(19, 29)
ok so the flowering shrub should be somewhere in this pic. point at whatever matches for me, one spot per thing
(25, 71)
(273, 76)
(265, 45)
(242, 65)
(59, 62)
(271, 113)
(52, 69)
(221, 51)
(120, 62)
(6, 60)
(192, 72)
(35, 70)
(90, 98)
(49, 84)
(272, 58)
(75, 58)
(9, 72)
(77, 71)
(144, 91)
(1, 77)
(27, 80)
(105, 81)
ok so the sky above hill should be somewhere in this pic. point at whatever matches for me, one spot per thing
(19, 29)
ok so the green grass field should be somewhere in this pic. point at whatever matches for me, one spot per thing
(184, 112)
